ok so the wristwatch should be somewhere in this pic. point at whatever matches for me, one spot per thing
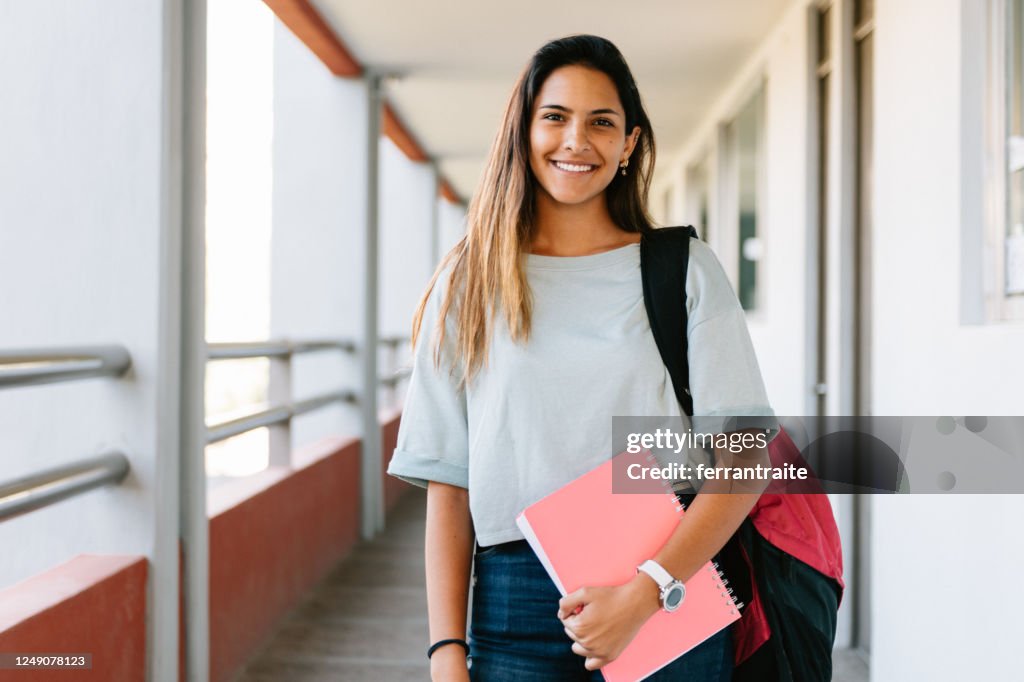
(672, 591)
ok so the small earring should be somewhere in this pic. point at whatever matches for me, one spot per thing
(622, 166)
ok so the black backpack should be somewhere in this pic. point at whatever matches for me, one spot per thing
(799, 602)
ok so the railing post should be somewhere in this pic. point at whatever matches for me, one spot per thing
(392, 367)
(279, 392)
(190, 522)
(371, 489)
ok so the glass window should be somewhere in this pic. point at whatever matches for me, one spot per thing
(745, 134)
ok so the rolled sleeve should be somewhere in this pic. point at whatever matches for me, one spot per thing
(433, 440)
(419, 470)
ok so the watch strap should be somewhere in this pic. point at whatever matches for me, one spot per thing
(655, 570)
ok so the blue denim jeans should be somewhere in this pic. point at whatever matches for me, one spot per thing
(515, 634)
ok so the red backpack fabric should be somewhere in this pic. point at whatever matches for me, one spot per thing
(800, 524)
(803, 524)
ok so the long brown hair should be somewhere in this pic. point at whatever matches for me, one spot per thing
(486, 266)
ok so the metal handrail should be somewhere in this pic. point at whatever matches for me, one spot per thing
(397, 376)
(35, 491)
(392, 340)
(274, 415)
(283, 414)
(27, 367)
(272, 349)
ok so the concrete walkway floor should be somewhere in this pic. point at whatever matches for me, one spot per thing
(367, 621)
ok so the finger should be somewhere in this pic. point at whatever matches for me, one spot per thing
(567, 617)
(575, 625)
(594, 663)
(570, 603)
(580, 650)
(572, 635)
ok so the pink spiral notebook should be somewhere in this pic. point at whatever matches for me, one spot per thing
(586, 535)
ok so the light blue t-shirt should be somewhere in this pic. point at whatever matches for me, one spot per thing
(540, 414)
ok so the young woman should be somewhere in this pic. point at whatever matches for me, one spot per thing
(536, 335)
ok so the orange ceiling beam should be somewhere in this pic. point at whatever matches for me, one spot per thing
(308, 26)
(448, 193)
(392, 127)
(305, 22)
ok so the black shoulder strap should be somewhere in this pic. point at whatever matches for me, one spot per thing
(664, 257)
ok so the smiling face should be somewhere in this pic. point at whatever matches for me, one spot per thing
(578, 135)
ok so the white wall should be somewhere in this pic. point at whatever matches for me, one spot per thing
(927, 360)
(407, 204)
(782, 319)
(452, 221)
(81, 262)
(930, 551)
(319, 225)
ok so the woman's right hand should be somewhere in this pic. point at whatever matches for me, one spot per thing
(448, 664)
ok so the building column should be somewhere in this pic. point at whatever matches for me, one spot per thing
(193, 522)
(371, 466)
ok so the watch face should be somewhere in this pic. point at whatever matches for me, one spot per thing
(673, 596)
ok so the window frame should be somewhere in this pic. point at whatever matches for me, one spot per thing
(730, 187)
(699, 194)
(1000, 306)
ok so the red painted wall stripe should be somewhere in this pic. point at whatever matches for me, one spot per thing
(271, 548)
(90, 605)
(394, 488)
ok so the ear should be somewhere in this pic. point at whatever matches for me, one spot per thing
(631, 141)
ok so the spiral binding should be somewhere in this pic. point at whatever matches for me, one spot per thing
(727, 592)
(720, 581)
(676, 502)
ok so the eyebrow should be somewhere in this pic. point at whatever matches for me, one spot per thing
(567, 110)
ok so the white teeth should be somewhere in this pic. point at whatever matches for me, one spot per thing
(573, 168)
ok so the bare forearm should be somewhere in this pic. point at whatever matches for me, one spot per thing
(448, 554)
(716, 513)
(705, 528)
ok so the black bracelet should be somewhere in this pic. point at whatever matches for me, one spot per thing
(437, 645)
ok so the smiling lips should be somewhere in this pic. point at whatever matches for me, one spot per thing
(573, 167)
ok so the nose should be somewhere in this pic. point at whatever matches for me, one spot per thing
(576, 138)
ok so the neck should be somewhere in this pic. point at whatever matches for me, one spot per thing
(576, 229)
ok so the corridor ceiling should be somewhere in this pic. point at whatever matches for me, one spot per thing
(454, 61)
